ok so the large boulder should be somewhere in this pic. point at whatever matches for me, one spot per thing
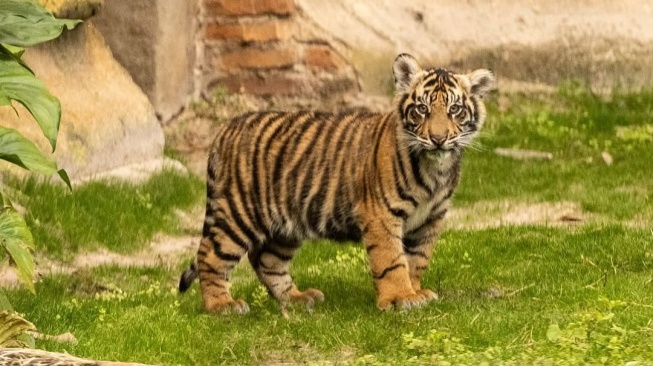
(155, 41)
(107, 122)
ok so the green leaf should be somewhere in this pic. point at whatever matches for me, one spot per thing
(13, 328)
(17, 149)
(553, 333)
(16, 238)
(25, 23)
(5, 304)
(19, 84)
(16, 51)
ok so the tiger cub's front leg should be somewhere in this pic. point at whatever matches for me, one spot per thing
(382, 237)
(418, 246)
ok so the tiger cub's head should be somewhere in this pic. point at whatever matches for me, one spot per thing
(439, 110)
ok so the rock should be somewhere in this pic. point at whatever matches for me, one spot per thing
(106, 122)
(607, 158)
(523, 154)
(72, 9)
(36, 357)
(155, 41)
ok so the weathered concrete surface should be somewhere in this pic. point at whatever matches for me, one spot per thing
(155, 41)
(107, 121)
(603, 42)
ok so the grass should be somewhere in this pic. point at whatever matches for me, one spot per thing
(119, 216)
(573, 294)
(577, 127)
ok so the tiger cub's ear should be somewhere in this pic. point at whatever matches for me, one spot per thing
(405, 69)
(481, 82)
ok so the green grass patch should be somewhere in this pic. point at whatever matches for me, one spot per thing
(576, 126)
(576, 294)
(118, 216)
(502, 291)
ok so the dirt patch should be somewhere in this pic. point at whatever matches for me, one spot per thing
(164, 251)
(491, 214)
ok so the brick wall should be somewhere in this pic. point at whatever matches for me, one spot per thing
(259, 47)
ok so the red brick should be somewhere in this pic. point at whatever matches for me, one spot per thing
(270, 84)
(253, 58)
(249, 7)
(323, 57)
(271, 30)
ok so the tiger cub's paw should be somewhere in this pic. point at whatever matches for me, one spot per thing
(226, 307)
(428, 295)
(309, 297)
(406, 301)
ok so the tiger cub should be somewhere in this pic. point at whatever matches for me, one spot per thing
(276, 178)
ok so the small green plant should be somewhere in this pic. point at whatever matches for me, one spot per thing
(24, 23)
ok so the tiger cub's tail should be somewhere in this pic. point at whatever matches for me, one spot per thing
(188, 276)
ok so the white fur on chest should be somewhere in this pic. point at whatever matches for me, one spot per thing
(424, 210)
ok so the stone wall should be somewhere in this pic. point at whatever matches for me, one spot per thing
(106, 121)
(261, 47)
(321, 49)
(155, 41)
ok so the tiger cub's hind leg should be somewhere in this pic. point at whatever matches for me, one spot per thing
(219, 252)
(271, 262)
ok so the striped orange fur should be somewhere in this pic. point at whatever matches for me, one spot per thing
(276, 178)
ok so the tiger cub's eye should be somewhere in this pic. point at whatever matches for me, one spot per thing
(455, 108)
(422, 109)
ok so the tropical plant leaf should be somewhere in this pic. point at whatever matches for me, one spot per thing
(19, 84)
(17, 149)
(13, 328)
(17, 240)
(5, 304)
(15, 53)
(25, 23)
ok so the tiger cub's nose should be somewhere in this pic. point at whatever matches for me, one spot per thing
(438, 140)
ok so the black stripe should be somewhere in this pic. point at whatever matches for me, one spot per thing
(218, 284)
(370, 248)
(225, 256)
(377, 139)
(274, 273)
(414, 163)
(276, 253)
(287, 289)
(300, 131)
(431, 82)
(387, 229)
(250, 208)
(316, 202)
(400, 187)
(235, 215)
(429, 221)
(416, 253)
(282, 129)
(388, 270)
(224, 226)
(255, 159)
(402, 172)
(207, 268)
(397, 212)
